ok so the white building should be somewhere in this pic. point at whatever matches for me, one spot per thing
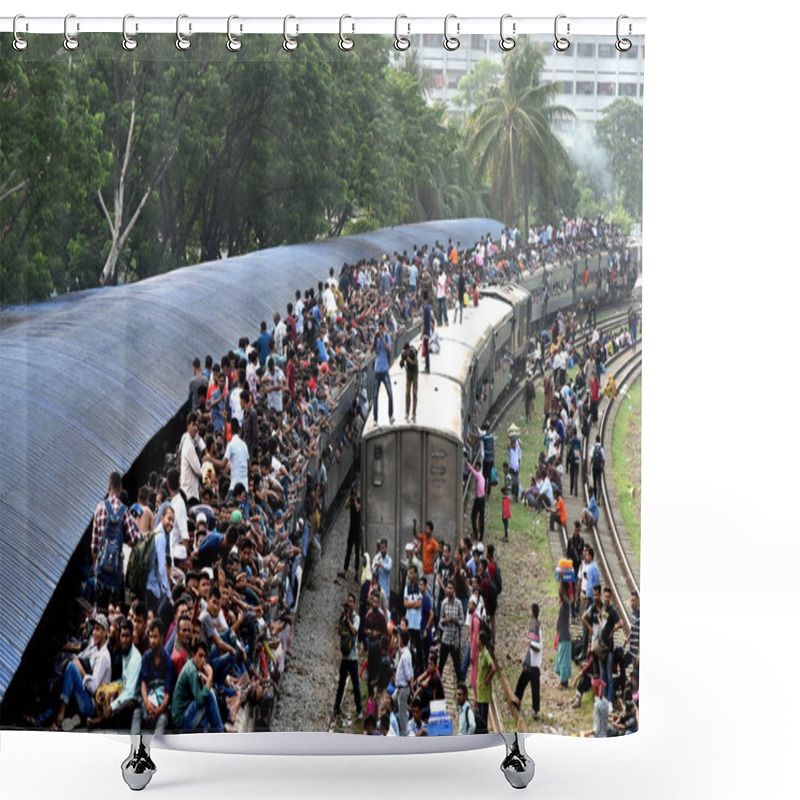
(590, 74)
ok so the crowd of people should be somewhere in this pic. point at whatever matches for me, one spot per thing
(191, 622)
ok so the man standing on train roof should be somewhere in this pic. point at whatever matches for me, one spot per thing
(426, 329)
(408, 360)
(382, 347)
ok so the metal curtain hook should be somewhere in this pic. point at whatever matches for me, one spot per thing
(233, 43)
(401, 42)
(289, 42)
(128, 42)
(451, 42)
(19, 43)
(181, 42)
(623, 45)
(344, 42)
(561, 43)
(70, 42)
(507, 42)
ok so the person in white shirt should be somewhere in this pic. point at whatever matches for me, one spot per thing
(191, 468)
(441, 297)
(82, 685)
(237, 412)
(236, 460)
(179, 537)
(278, 335)
(329, 299)
(274, 384)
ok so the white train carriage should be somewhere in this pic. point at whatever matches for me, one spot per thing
(413, 470)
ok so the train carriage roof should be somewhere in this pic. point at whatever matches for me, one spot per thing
(438, 405)
(89, 379)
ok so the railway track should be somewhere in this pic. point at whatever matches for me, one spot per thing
(497, 707)
(616, 564)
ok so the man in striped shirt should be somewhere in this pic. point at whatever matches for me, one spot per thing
(451, 618)
(479, 504)
(632, 640)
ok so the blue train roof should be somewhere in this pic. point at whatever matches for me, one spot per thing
(88, 380)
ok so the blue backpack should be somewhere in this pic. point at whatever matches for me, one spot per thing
(109, 561)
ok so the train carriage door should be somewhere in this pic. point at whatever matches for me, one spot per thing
(442, 485)
(380, 494)
(410, 481)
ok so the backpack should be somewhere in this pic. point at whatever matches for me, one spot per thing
(498, 579)
(347, 641)
(109, 559)
(139, 565)
(491, 598)
(597, 458)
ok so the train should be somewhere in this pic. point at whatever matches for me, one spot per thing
(414, 470)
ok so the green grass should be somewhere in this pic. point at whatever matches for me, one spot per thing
(626, 459)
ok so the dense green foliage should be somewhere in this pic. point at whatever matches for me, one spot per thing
(511, 137)
(115, 165)
(620, 133)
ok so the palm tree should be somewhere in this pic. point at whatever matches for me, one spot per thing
(510, 135)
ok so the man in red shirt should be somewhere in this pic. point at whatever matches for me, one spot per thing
(594, 397)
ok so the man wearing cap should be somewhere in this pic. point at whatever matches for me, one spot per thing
(82, 684)
(382, 347)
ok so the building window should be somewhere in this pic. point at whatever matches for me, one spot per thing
(453, 78)
(478, 41)
(585, 50)
(565, 87)
(584, 87)
(641, 90)
(606, 51)
(627, 90)
(605, 88)
(632, 53)
(438, 80)
(431, 40)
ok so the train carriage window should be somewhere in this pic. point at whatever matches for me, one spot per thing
(377, 465)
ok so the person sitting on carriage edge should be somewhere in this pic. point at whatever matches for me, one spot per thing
(382, 347)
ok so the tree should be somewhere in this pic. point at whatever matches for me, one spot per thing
(510, 135)
(620, 133)
(473, 88)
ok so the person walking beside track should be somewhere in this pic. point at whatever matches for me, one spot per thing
(531, 663)
(598, 461)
